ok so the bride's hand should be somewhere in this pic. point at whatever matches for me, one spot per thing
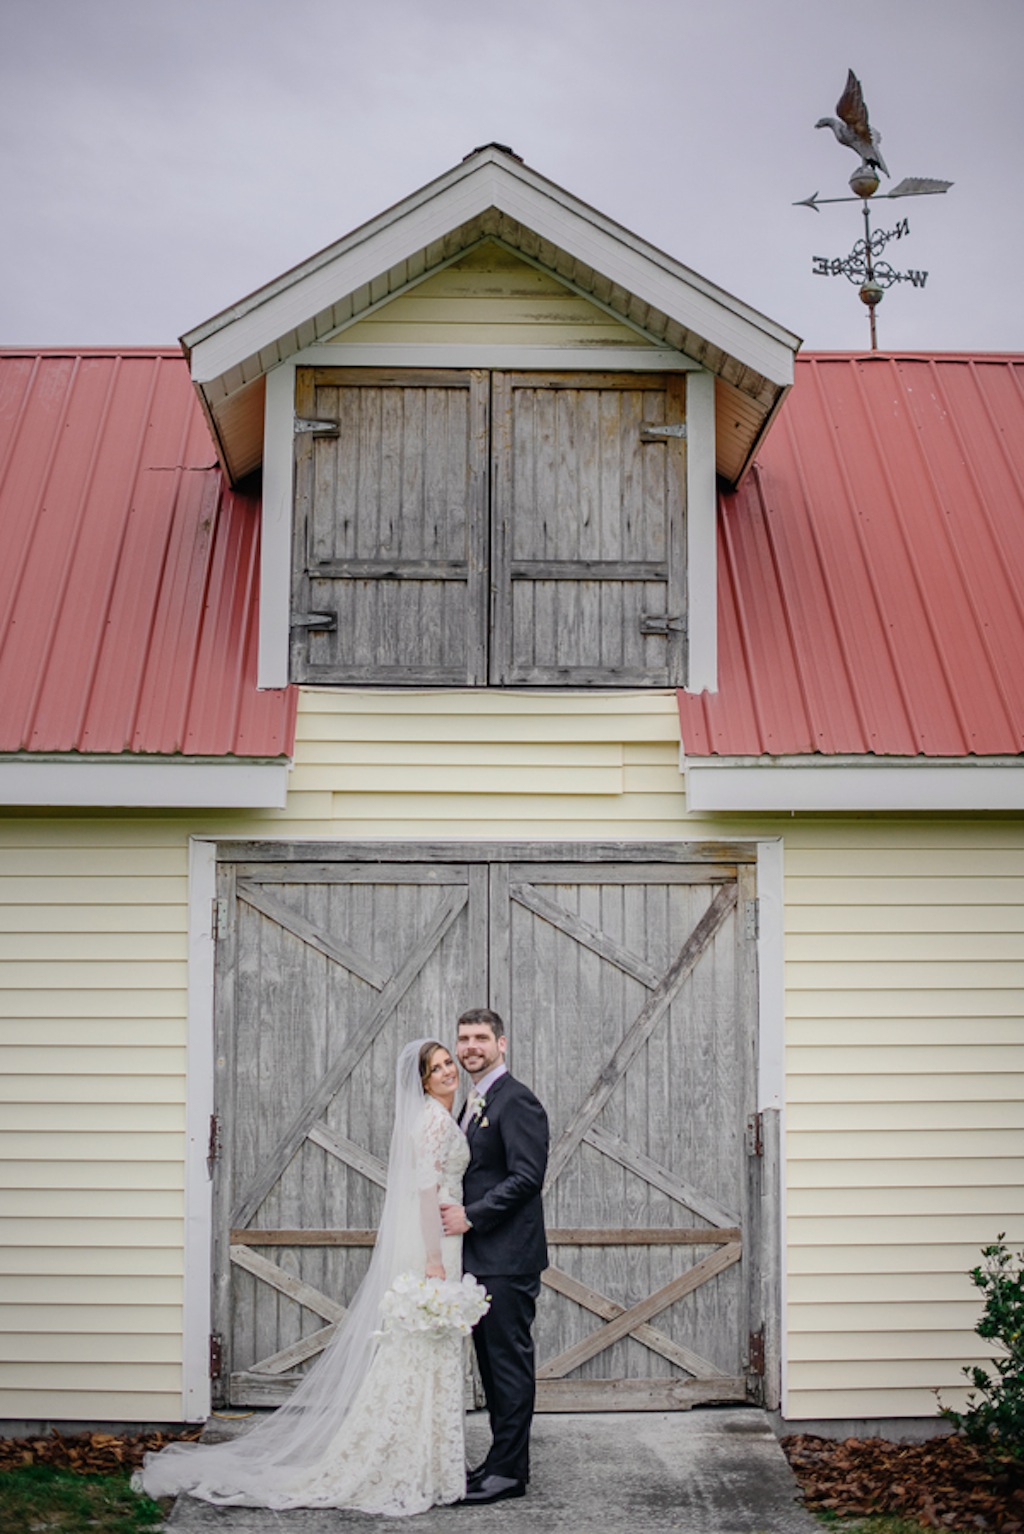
(435, 1268)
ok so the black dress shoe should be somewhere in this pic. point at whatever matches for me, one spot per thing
(474, 1477)
(493, 1488)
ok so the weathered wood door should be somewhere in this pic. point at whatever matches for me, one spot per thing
(464, 527)
(628, 984)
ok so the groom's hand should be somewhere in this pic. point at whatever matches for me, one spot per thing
(453, 1220)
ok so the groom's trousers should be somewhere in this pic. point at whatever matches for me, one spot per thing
(504, 1350)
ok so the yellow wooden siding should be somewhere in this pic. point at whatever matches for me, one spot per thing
(905, 1067)
(905, 1048)
(487, 296)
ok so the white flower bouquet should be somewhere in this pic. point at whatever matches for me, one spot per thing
(434, 1305)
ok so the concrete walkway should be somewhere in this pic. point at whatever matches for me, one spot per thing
(700, 1472)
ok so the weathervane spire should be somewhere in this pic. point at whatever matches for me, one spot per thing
(853, 130)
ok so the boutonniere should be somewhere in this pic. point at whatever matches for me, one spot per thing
(478, 1108)
(484, 1124)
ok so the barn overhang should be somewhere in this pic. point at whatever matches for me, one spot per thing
(492, 195)
(142, 782)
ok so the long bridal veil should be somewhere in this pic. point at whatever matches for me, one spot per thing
(254, 1468)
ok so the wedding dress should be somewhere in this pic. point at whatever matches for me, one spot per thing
(378, 1424)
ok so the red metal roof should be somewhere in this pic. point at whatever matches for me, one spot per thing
(128, 582)
(871, 567)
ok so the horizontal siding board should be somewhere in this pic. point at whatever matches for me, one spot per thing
(942, 1173)
(92, 1296)
(38, 1059)
(962, 1087)
(99, 1203)
(86, 1231)
(148, 1348)
(480, 779)
(112, 1262)
(873, 1203)
(97, 1145)
(43, 1402)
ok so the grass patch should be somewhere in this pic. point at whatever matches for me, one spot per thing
(874, 1523)
(43, 1499)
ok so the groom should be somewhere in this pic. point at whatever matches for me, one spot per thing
(502, 1225)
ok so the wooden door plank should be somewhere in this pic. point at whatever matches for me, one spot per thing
(287, 1283)
(660, 1000)
(287, 1358)
(294, 922)
(348, 1235)
(585, 934)
(637, 1395)
(659, 1177)
(642, 1235)
(701, 1273)
(350, 1153)
(609, 1310)
(331, 1083)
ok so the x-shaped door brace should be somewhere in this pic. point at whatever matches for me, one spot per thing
(619, 1321)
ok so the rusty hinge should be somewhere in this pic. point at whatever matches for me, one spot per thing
(216, 1355)
(755, 1135)
(218, 919)
(213, 1145)
(753, 918)
(755, 1352)
(660, 623)
(315, 428)
(326, 621)
(650, 432)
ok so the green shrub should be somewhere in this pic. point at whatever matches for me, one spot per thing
(994, 1415)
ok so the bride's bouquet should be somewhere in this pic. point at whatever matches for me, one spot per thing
(435, 1305)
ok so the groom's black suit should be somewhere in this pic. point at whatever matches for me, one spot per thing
(507, 1251)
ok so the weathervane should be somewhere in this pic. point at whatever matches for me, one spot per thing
(862, 265)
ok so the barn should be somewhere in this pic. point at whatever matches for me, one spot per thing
(493, 611)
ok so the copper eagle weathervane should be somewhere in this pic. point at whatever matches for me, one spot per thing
(863, 266)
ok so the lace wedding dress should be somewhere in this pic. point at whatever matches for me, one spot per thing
(378, 1424)
(401, 1448)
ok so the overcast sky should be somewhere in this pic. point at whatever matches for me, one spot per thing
(160, 159)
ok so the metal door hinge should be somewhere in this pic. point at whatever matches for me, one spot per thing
(660, 623)
(315, 428)
(755, 1352)
(213, 1145)
(650, 432)
(218, 919)
(755, 1135)
(326, 621)
(216, 1355)
(753, 918)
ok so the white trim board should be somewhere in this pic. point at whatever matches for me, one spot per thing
(143, 782)
(722, 784)
(202, 889)
(490, 179)
(469, 354)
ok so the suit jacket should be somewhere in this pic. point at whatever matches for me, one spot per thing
(508, 1151)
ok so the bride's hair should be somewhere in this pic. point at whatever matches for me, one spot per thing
(426, 1055)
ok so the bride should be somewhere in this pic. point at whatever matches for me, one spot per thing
(378, 1424)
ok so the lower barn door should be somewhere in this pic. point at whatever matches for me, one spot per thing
(630, 994)
(324, 972)
(628, 989)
